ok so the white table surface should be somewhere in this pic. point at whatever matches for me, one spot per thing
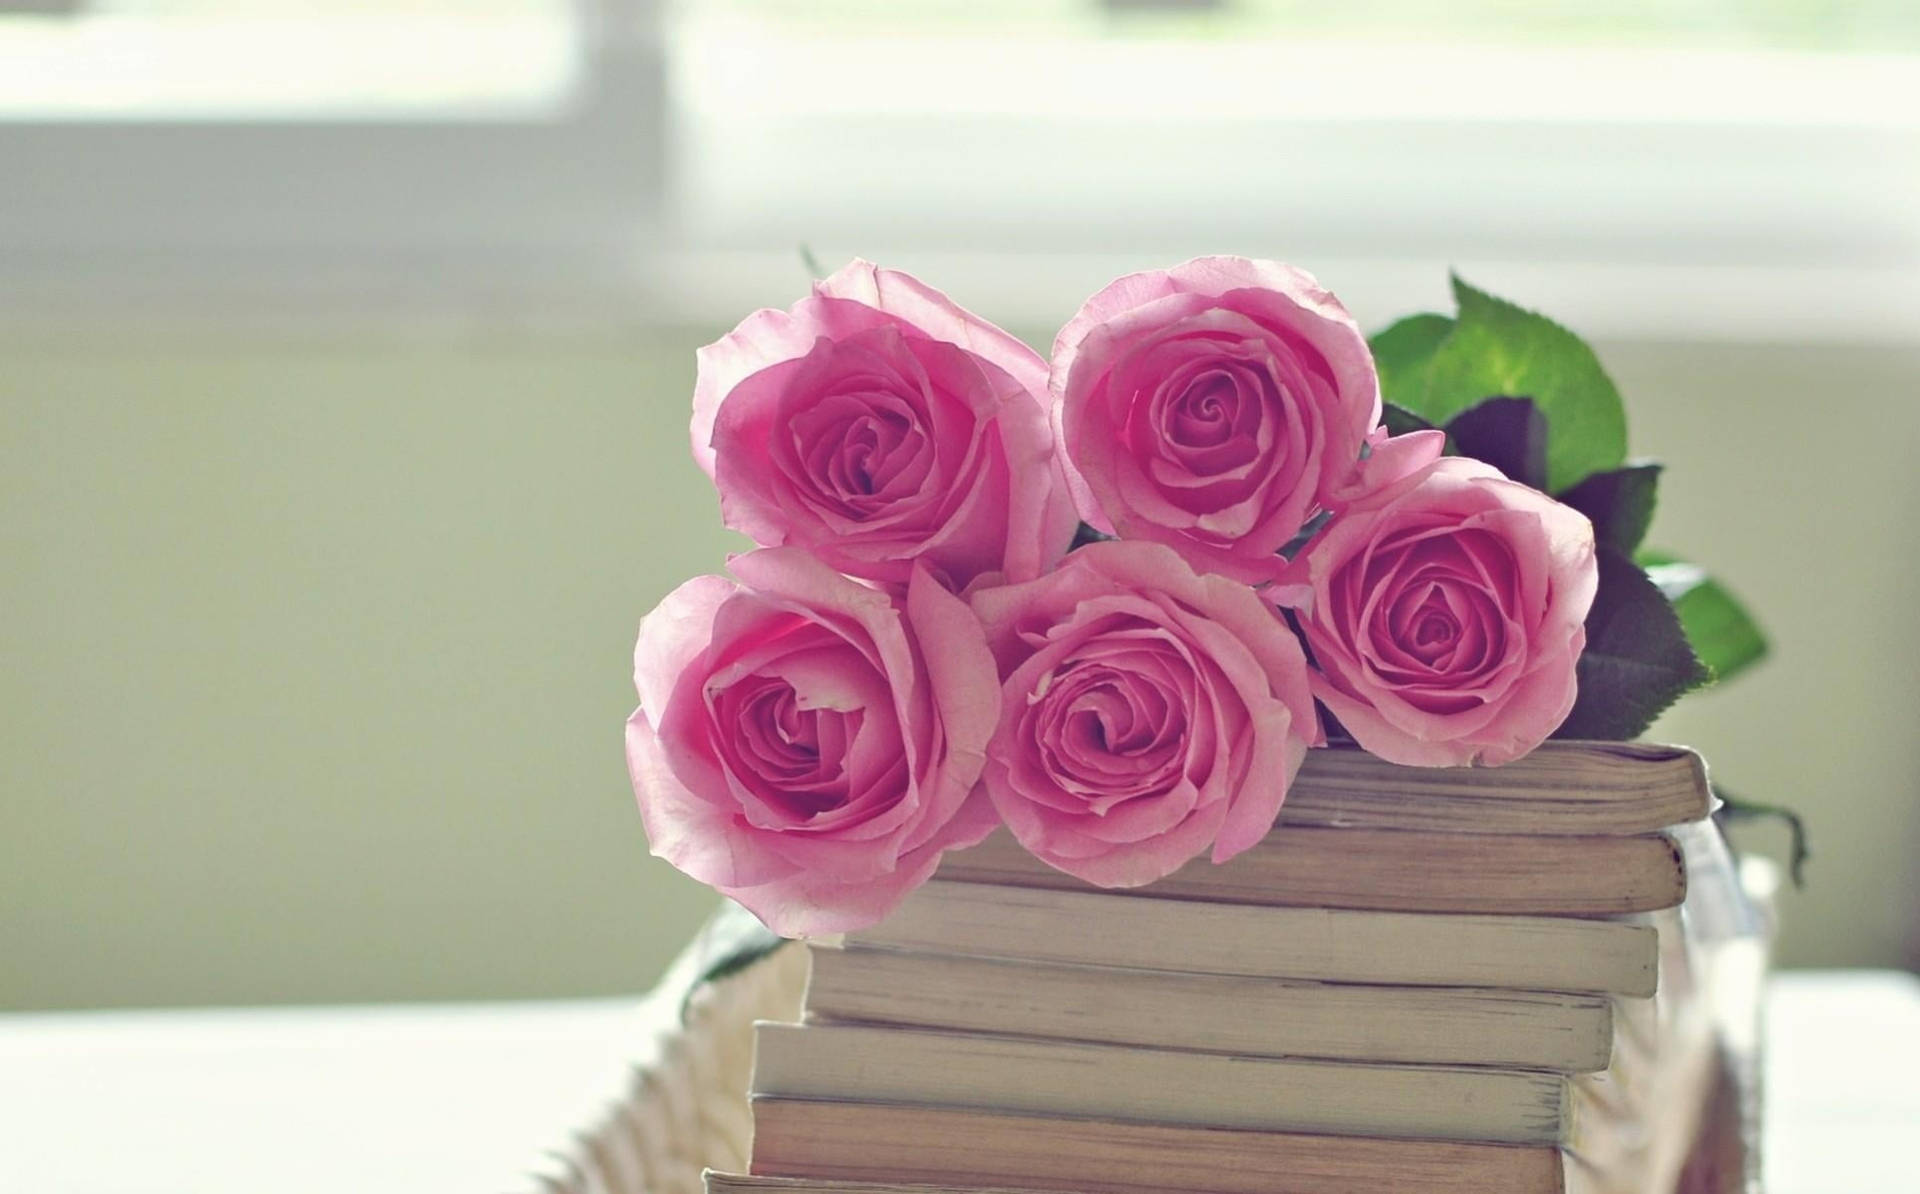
(467, 1098)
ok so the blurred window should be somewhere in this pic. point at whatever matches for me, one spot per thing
(1666, 167)
(363, 155)
(283, 59)
(1699, 24)
(1644, 165)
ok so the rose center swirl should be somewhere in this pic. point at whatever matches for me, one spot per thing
(867, 458)
(1108, 733)
(1439, 624)
(794, 755)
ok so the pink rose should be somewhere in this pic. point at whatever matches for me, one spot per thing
(1446, 612)
(1147, 711)
(877, 424)
(809, 745)
(1212, 407)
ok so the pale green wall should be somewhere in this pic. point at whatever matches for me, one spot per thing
(316, 654)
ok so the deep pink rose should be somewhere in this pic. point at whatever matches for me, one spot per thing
(809, 745)
(877, 424)
(1212, 407)
(1446, 611)
(1147, 711)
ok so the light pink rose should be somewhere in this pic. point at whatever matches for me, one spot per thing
(809, 745)
(1212, 407)
(1446, 612)
(1389, 460)
(877, 424)
(1147, 712)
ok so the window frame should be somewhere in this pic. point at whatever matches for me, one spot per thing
(348, 210)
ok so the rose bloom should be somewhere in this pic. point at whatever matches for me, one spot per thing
(878, 424)
(1212, 407)
(807, 744)
(1446, 611)
(1147, 712)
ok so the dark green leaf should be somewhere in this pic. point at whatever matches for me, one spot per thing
(1732, 809)
(1637, 660)
(1401, 353)
(1084, 535)
(1508, 433)
(1399, 421)
(731, 940)
(1721, 630)
(1292, 546)
(1496, 348)
(1331, 726)
(1620, 502)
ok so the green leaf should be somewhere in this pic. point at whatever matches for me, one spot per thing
(1721, 630)
(1401, 352)
(1508, 433)
(731, 940)
(1620, 502)
(1399, 421)
(1496, 348)
(1637, 661)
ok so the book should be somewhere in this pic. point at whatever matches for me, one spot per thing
(1563, 787)
(1537, 953)
(841, 1143)
(1213, 1013)
(1073, 1079)
(1393, 870)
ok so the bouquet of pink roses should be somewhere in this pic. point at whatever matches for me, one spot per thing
(1111, 600)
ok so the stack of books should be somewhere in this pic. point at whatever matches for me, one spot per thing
(1439, 980)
